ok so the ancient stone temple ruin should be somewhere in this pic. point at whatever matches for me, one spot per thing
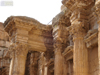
(69, 46)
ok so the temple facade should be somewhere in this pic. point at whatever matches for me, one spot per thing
(69, 46)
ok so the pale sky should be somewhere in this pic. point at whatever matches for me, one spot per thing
(41, 10)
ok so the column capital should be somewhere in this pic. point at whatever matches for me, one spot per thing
(18, 49)
(78, 29)
(79, 23)
(58, 47)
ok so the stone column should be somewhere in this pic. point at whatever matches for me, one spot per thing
(79, 27)
(65, 67)
(97, 5)
(12, 56)
(58, 68)
(80, 52)
(20, 53)
(32, 64)
(41, 64)
(46, 62)
(69, 67)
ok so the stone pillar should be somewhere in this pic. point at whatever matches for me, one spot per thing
(32, 64)
(46, 70)
(41, 64)
(20, 52)
(58, 68)
(69, 67)
(12, 56)
(65, 67)
(79, 27)
(46, 62)
(80, 52)
(97, 5)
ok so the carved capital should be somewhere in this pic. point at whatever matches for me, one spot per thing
(79, 24)
(18, 49)
(58, 48)
(78, 29)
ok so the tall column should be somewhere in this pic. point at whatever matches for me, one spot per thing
(20, 53)
(11, 62)
(47, 62)
(58, 68)
(97, 5)
(69, 68)
(80, 53)
(65, 67)
(60, 36)
(80, 56)
(32, 64)
(41, 64)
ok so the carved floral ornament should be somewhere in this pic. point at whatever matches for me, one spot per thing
(78, 27)
(18, 49)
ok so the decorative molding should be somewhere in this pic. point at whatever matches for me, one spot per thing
(25, 22)
(91, 40)
(67, 50)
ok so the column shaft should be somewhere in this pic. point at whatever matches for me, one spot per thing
(58, 63)
(80, 57)
(19, 65)
(19, 59)
(32, 64)
(97, 5)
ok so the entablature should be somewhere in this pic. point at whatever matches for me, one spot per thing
(27, 30)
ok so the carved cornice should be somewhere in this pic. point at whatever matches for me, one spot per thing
(56, 19)
(24, 22)
(68, 53)
(91, 39)
(67, 50)
(21, 19)
(68, 3)
(73, 4)
(61, 18)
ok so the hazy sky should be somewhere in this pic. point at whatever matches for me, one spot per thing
(41, 10)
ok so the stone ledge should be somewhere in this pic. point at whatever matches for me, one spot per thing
(67, 51)
(92, 40)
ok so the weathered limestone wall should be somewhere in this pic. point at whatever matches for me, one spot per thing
(93, 61)
(4, 44)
